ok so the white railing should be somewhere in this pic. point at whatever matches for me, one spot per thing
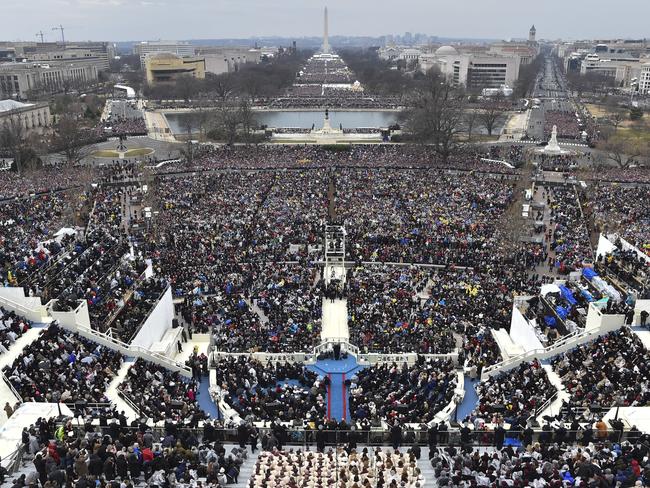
(11, 387)
(130, 350)
(564, 344)
(330, 342)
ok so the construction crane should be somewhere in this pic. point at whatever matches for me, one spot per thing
(41, 35)
(60, 27)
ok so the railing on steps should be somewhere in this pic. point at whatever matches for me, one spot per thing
(132, 350)
(11, 387)
(13, 461)
(130, 403)
(564, 344)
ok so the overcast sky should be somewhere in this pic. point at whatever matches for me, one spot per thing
(121, 20)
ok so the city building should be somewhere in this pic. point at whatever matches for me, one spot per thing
(100, 53)
(167, 67)
(146, 48)
(20, 80)
(220, 60)
(644, 79)
(474, 71)
(31, 116)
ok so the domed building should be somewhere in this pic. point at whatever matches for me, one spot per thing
(446, 51)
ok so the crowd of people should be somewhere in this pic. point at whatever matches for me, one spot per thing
(566, 123)
(402, 393)
(273, 391)
(124, 119)
(513, 396)
(567, 234)
(624, 210)
(280, 156)
(12, 326)
(600, 463)
(389, 312)
(114, 455)
(61, 366)
(161, 394)
(336, 468)
(610, 371)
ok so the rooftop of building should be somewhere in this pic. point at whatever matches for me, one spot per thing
(9, 105)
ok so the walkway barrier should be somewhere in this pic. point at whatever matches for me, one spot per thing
(302, 437)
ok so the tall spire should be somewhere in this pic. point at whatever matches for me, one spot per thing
(326, 38)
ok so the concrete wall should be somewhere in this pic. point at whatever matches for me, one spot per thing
(76, 318)
(14, 299)
(158, 322)
(522, 332)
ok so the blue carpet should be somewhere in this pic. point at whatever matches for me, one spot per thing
(338, 405)
(470, 401)
(204, 400)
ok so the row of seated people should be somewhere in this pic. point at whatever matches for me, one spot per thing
(137, 307)
(602, 464)
(404, 394)
(161, 394)
(63, 366)
(122, 456)
(624, 210)
(12, 327)
(338, 469)
(281, 391)
(610, 371)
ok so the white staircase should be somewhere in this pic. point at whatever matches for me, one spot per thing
(562, 396)
(113, 395)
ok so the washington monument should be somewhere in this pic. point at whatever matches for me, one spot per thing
(326, 39)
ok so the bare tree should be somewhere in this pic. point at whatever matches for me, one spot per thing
(246, 118)
(622, 152)
(71, 139)
(491, 110)
(470, 118)
(12, 139)
(434, 113)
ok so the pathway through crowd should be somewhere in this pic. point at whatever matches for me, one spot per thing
(338, 393)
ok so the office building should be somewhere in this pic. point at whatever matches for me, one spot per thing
(644, 79)
(146, 48)
(167, 67)
(220, 60)
(21, 80)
